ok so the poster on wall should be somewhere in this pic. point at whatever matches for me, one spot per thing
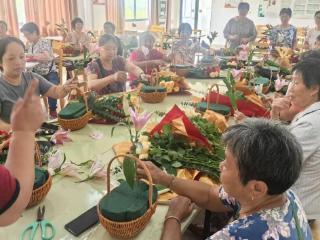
(231, 3)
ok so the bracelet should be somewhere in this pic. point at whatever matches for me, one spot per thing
(172, 217)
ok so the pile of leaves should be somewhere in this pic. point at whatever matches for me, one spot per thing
(171, 151)
(109, 108)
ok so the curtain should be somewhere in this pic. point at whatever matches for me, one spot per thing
(47, 13)
(8, 13)
(115, 14)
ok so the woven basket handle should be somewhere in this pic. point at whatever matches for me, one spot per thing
(155, 77)
(209, 92)
(82, 94)
(144, 168)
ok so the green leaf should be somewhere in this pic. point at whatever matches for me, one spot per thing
(166, 130)
(176, 164)
(129, 170)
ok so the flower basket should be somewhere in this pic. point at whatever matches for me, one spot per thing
(127, 230)
(40, 193)
(77, 123)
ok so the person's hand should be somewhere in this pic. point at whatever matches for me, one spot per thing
(180, 207)
(27, 114)
(279, 107)
(233, 37)
(120, 76)
(69, 85)
(239, 116)
(156, 173)
(245, 40)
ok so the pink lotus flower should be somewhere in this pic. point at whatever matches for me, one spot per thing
(60, 137)
(139, 121)
(97, 170)
(237, 74)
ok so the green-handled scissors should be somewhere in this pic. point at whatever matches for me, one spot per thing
(44, 226)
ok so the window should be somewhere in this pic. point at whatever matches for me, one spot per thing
(302, 8)
(136, 10)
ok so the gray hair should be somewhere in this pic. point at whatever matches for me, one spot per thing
(265, 151)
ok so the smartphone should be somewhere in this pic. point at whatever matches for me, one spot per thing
(82, 223)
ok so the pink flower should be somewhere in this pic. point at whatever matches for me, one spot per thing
(70, 170)
(97, 170)
(60, 137)
(55, 162)
(139, 121)
(279, 83)
(236, 73)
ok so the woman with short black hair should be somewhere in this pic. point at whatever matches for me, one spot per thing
(77, 36)
(14, 80)
(40, 50)
(313, 33)
(108, 73)
(240, 29)
(263, 160)
(285, 34)
(110, 28)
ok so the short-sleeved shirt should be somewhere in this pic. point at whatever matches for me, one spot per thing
(82, 40)
(9, 93)
(96, 67)
(9, 189)
(280, 223)
(120, 46)
(139, 56)
(283, 37)
(306, 128)
(244, 28)
(312, 37)
(185, 51)
(42, 46)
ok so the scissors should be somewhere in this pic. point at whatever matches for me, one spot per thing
(44, 226)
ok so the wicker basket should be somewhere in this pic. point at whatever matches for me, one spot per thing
(153, 97)
(77, 123)
(40, 193)
(126, 230)
(210, 90)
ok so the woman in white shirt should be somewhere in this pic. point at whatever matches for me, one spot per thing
(305, 94)
(310, 42)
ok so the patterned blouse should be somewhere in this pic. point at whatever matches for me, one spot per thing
(43, 46)
(281, 223)
(283, 37)
(185, 52)
(96, 67)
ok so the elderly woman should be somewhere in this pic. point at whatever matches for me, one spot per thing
(305, 95)
(250, 187)
(77, 36)
(146, 57)
(14, 80)
(3, 29)
(284, 35)
(240, 30)
(108, 73)
(40, 49)
(184, 50)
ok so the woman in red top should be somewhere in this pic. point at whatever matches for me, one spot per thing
(146, 57)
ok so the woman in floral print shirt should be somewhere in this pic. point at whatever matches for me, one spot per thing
(263, 160)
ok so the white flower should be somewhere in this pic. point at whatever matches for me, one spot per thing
(55, 161)
(97, 169)
(143, 138)
(70, 170)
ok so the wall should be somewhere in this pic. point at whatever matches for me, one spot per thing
(99, 16)
(221, 15)
(85, 11)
